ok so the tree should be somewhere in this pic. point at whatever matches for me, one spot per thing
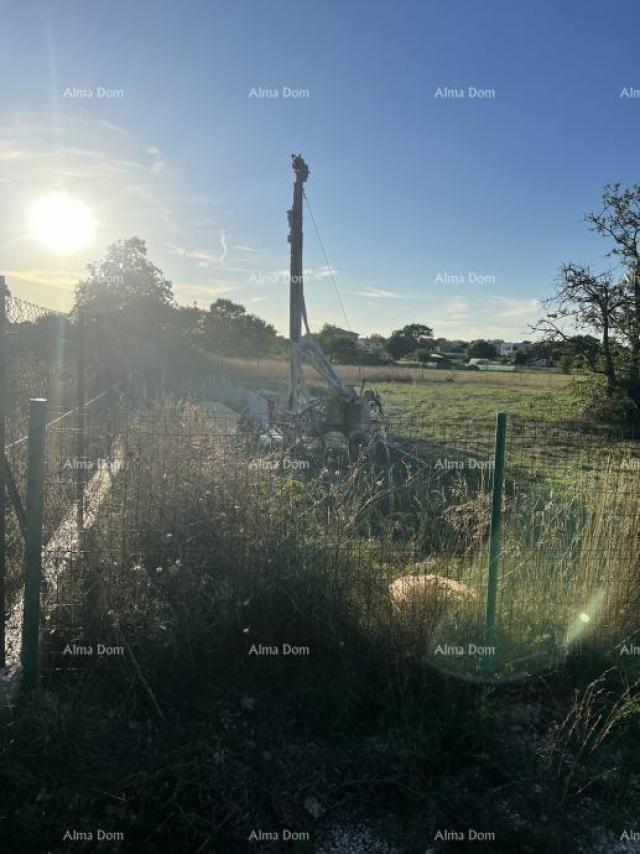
(423, 355)
(604, 305)
(124, 279)
(128, 311)
(585, 349)
(585, 300)
(338, 346)
(619, 219)
(230, 331)
(482, 350)
(520, 358)
(404, 342)
(378, 340)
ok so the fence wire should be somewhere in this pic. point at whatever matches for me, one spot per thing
(156, 502)
(180, 506)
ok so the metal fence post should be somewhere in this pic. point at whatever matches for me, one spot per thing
(33, 551)
(496, 519)
(3, 485)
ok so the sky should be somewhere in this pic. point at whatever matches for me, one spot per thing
(160, 120)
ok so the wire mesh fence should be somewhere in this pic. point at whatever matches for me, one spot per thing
(156, 502)
(184, 509)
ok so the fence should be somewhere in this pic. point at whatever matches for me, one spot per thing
(44, 355)
(186, 508)
(92, 376)
(151, 503)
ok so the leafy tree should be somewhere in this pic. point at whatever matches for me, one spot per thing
(228, 329)
(585, 349)
(404, 342)
(128, 308)
(379, 340)
(423, 355)
(337, 346)
(124, 279)
(482, 350)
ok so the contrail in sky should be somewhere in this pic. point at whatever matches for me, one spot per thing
(223, 241)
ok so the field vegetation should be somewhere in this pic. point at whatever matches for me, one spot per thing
(190, 740)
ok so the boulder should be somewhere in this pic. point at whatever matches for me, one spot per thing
(431, 592)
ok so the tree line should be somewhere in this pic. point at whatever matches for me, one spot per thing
(591, 321)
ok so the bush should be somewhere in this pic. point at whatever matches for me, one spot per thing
(596, 401)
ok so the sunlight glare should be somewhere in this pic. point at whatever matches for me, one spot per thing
(62, 223)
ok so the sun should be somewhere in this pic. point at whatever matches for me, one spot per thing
(62, 223)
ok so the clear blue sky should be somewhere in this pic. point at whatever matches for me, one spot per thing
(405, 186)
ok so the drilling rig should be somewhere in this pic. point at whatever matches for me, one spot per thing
(342, 417)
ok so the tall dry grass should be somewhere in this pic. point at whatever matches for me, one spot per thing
(264, 370)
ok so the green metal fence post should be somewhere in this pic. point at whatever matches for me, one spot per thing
(3, 485)
(495, 530)
(33, 577)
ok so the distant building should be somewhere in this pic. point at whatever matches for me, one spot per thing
(509, 348)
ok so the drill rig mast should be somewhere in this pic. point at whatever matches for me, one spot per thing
(345, 412)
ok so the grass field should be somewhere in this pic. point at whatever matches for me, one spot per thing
(477, 399)
(438, 393)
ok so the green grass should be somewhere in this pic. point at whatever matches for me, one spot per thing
(451, 400)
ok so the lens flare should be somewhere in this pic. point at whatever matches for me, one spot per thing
(62, 223)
